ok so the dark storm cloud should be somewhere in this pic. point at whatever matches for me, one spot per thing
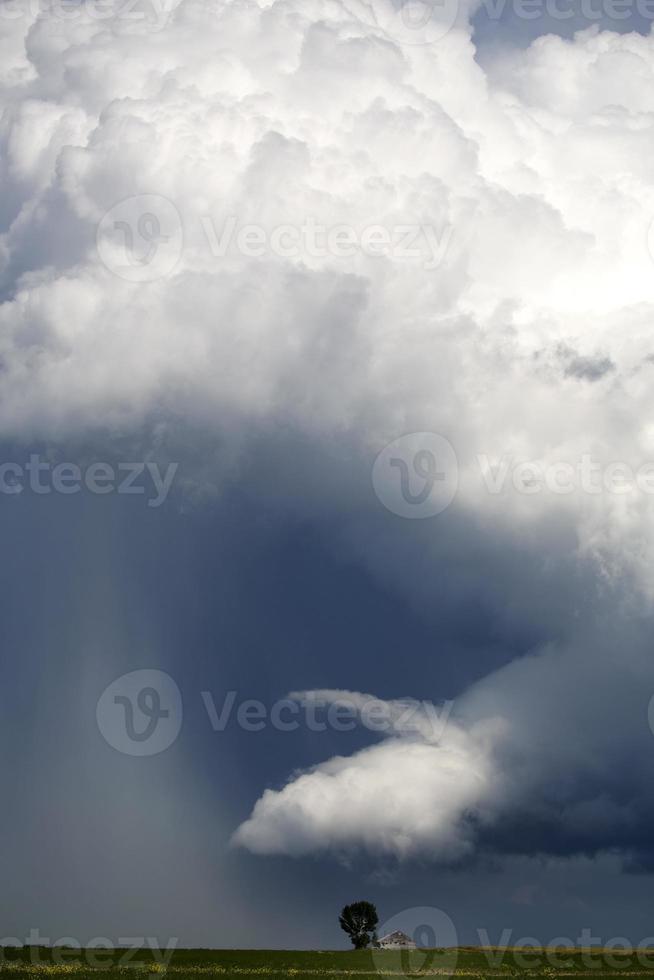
(275, 380)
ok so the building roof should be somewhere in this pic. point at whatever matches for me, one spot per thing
(397, 938)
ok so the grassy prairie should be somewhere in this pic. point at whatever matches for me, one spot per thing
(192, 964)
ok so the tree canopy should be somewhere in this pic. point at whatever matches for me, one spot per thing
(359, 921)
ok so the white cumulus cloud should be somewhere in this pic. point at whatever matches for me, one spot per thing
(516, 322)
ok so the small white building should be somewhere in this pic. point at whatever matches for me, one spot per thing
(396, 940)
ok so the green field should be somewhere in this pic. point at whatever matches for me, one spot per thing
(185, 964)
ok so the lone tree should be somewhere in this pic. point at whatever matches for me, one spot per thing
(359, 921)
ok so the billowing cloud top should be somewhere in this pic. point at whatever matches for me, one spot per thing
(288, 223)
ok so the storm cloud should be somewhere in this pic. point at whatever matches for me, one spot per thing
(365, 238)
